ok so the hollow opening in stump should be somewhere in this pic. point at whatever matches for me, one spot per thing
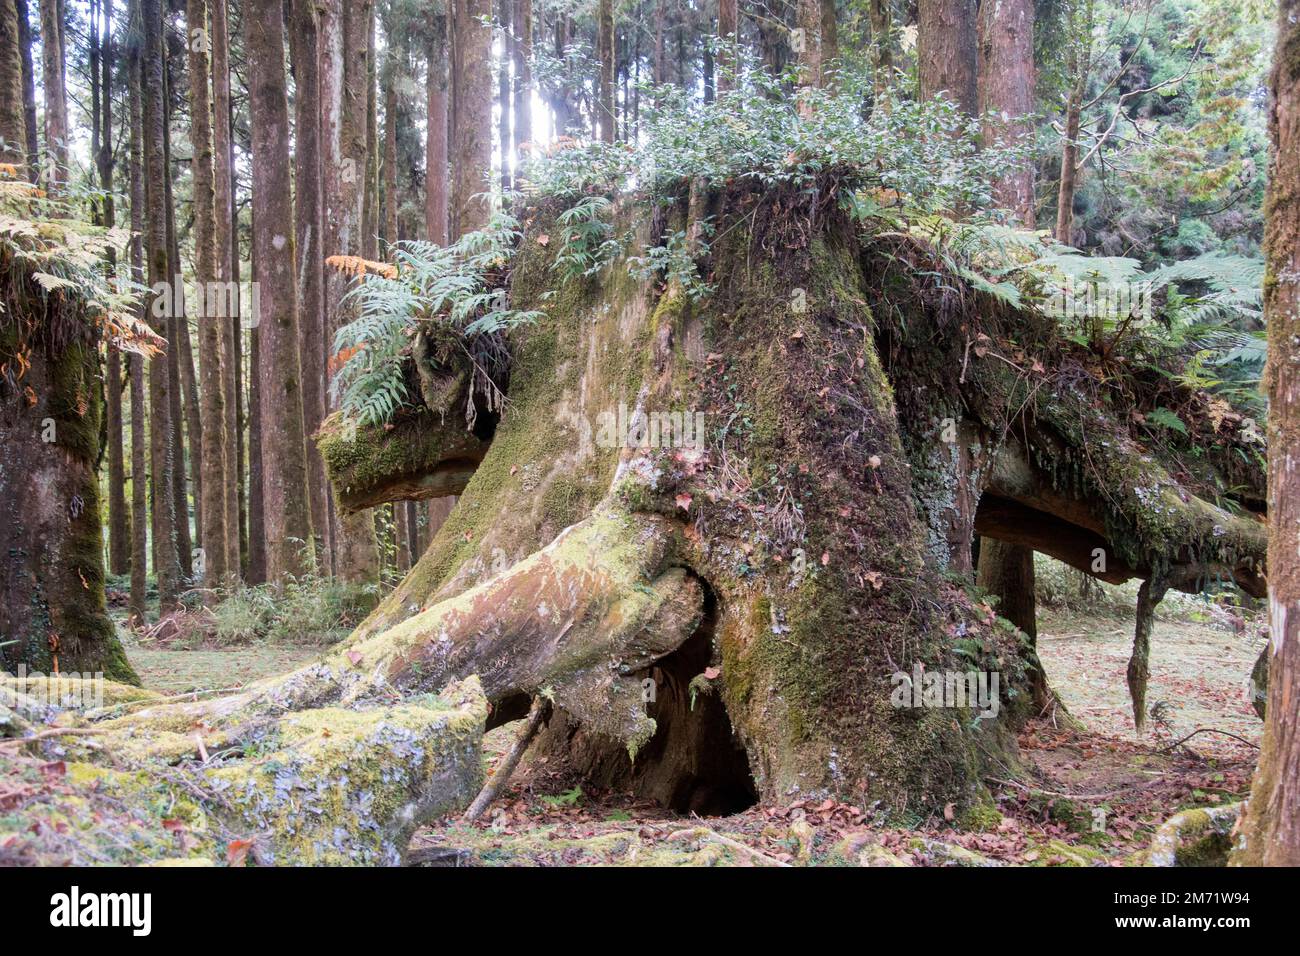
(694, 763)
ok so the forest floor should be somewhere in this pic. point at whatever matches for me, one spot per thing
(1089, 790)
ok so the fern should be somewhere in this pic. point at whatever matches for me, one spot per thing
(457, 286)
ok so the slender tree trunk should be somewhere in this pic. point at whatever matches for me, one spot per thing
(523, 51)
(946, 51)
(435, 198)
(311, 261)
(180, 368)
(139, 502)
(390, 156)
(161, 490)
(472, 130)
(213, 537)
(343, 40)
(660, 60)
(1007, 572)
(605, 54)
(370, 196)
(29, 91)
(1079, 69)
(13, 129)
(882, 47)
(728, 30)
(257, 544)
(119, 524)
(503, 90)
(1069, 167)
(226, 245)
(412, 525)
(808, 48)
(830, 35)
(1269, 832)
(284, 473)
(56, 99)
(1006, 94)
(401, 537)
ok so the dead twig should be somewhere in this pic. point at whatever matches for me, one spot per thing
(536, 714)
(1208, 730)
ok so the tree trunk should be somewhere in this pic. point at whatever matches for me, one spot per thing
(660, 74)
(119, 520)
(52, 609)
(1069, 167)
(370, 195)
(829, 34)
(504, 138)
(311, 259)
(139, 439)
(813, 647)
(13, 128)
(523, 50)
(435, 197)
(29, 91)
(139, 497)
(226, 243)
(1006, 95)
(180, 359)
(807, 45)
(946, 51)
(472, 130)
(284, 473)
(1269, 831)
(257, 539)
(161, 481)
(389, 232)
(605, 58)
(1007, 572)
(56, 98)
(882, 46)
(728, 43)
(213, 539)
(344, 85)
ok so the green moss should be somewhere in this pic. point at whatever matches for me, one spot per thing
(984, 817)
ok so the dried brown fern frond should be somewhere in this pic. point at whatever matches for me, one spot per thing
(358, 266)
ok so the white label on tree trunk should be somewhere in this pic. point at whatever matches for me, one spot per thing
(1277, 621)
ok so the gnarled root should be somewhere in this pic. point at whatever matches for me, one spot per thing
(340, 760)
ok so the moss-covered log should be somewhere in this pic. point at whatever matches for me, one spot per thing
(245, 779)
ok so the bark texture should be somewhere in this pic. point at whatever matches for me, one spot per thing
(55, 163)
(162, 497)
(211, 316)
(1006, 94)
(284, 473)
(226, 244)
(13, 127)
(472, 111)
(1269, 831)
(946, 51)
(52, 610)
(310, 248)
